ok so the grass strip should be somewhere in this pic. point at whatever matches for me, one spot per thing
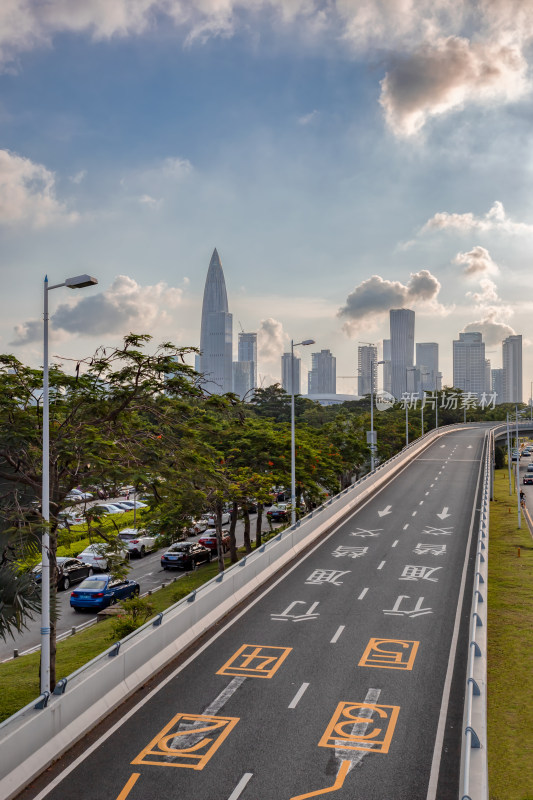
(510, 649)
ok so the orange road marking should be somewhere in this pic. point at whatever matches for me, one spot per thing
(400, 654)
(255, 661)
(129, 786)
(341, 774)
(342, 729)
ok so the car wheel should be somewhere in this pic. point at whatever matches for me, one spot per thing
(77, 610)
(66, 583)
(136, 591)
(113, 601)
(143, 551)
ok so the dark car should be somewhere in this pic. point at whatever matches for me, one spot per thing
(69, 570)
(185, 555)
(100, 591)
(209, 540)
(528, 478)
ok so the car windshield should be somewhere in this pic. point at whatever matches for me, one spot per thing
(177, 547)
(127, 536)
(94, 584)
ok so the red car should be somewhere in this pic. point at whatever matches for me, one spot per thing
(209, 539)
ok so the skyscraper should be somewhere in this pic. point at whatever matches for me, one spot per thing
(402, 339)
(286, 373)
(367, 367)
(322, 377)
(469, 368)
(248, 352)
(512, 364)
(427, 361)
(387, 369)
(498, 384)
(216, 337)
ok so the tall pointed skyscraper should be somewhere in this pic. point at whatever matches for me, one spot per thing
(216, 337)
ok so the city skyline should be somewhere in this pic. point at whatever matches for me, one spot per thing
(362, 159)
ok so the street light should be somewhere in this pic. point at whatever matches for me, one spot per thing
(78, 282)
(293, 449)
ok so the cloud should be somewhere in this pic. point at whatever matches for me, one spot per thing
(488, 292)
(477, 262)
(376, 296)
(27, 194)
(494, 330)
(307, 119)
(151, 202)
(445, 75)
(124, 307)
(496, 219)
(271, 340)
(79, 176)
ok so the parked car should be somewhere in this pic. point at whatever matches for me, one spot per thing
(139, 542)
(528, 478)
(197, 526)
(77, 496)
(129, 505)
(69, 570)
(69, 518)
(278, 513)
(210, 519)
(209, 540)
(107, 508)
(100, 591)
(185, 555)
(97, 555)
(529, 468)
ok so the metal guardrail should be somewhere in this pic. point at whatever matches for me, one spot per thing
(474, 747)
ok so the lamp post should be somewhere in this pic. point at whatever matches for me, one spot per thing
(372, 437)
(517, 470)
(78, 282)
(293, 448)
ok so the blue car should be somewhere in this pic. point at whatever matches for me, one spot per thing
(100, 591)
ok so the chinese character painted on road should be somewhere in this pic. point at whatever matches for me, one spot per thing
(412, 573)
(319, 576)
(429, 530)
(361, 726)
(434, 549)
(363, 533)
(351, 552)
(287, 616)
(255, 661)
(417, 611)
(389, 654)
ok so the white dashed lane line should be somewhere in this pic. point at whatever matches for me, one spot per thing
(406, 526)
(382, 565)
(363, 593)
(395, 542)
(337, 634)
(414, 514)
(240, 786)
(298, 696)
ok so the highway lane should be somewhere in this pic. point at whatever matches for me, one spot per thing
(333, 677)
(147, 571)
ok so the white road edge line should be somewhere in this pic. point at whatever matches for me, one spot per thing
(363, 593)
(337, 634)
(240, 786)
(72, 766)
(439, 738)
(298, 696)
(382, 565)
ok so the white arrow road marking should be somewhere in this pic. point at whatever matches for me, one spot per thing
(444, 513)
(386, 510)
(359, 729)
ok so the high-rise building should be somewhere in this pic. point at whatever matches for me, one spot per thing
(387, 368)
(243, 379)
(286, 373)
(247, 354)
(322, 377)
(469, 368)
(427, 361)
(216, 337)
(488, 375)
(402, 338)
(512, 365)
(367, 365)
(498, 385)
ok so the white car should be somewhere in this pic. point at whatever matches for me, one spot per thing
(97, 555)
(211, 519)
(107, 508)
(138, 541)
(77, 496)
(129, 505)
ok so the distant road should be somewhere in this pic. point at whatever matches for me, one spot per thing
(338, 679)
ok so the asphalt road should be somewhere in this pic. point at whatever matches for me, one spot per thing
(334, 680)
(147, 571)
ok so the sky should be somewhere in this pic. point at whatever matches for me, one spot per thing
(345, 157)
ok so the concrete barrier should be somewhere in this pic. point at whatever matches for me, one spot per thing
(32, 739)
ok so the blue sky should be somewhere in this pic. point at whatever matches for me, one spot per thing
(344, 157)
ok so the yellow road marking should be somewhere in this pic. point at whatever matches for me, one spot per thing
(129, 786)
(400, 655)
(371, 737)
(341, 774)
(255, 661)
(176, 746)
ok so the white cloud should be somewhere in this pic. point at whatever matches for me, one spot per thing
(271, 341)
(477, 262)
(375, 297)
(493, 328)
(307, 119)
(147, 200)
(79, 176)
(488, 292)
(126, 306)
(446, 75)
(27, 193)
(496, 219)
